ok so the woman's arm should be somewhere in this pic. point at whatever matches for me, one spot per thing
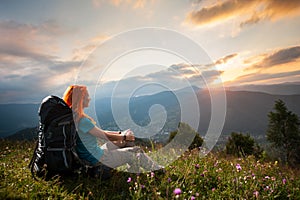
(111, 135)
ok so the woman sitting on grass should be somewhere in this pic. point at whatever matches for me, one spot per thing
(109, 154)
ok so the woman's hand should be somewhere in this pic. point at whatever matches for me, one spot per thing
(128, 134)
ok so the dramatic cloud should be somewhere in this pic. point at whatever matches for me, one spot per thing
(276, 9)
(173, 78)
(249, 12)
(278, 57)
(29, 83)
(219, 11)
(28, 64)
(185, 72)
(29, 41)
(20, 40)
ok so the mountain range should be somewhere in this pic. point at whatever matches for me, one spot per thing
(246, 112)
(288, 88)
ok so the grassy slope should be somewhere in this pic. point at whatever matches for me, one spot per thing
(212, 177)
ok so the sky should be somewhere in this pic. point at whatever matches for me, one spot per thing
(47, 45)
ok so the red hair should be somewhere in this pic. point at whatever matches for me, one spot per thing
(74, 96)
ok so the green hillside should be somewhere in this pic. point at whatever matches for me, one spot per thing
(215, 176)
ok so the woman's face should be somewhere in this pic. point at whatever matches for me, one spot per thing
(86, 100)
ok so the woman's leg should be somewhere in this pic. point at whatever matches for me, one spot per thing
(109, 146)
(117, 144)
(134, 156)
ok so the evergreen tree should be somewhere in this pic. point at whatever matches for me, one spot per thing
(283, 132)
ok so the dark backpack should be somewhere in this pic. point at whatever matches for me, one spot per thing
(55, 151)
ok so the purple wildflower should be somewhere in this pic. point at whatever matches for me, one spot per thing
(169, 180)
(238, 167)
(284, 181)
(177, 191)
(197, 166)
(152, 174)
(193, 198)
(129, 180)
(256, 193)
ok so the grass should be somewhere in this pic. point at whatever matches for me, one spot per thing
(215, 176)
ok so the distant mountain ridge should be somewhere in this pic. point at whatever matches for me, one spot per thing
(25, 134)
(15, 117)
(246, 111)
(275, 89)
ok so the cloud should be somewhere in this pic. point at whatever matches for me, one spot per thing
(225, 59)
(29, 68)
(256, 77)
(222, 60)
(248, 12)
(282, 56)
(28, 40)
(276, 9)
(139, 4)
(254, 19)
(219, 11)
(185, 72)
(30, 83)
(174, 77)
(23, 44)
(88, 47)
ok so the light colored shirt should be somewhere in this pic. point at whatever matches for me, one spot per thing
(87, 144)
